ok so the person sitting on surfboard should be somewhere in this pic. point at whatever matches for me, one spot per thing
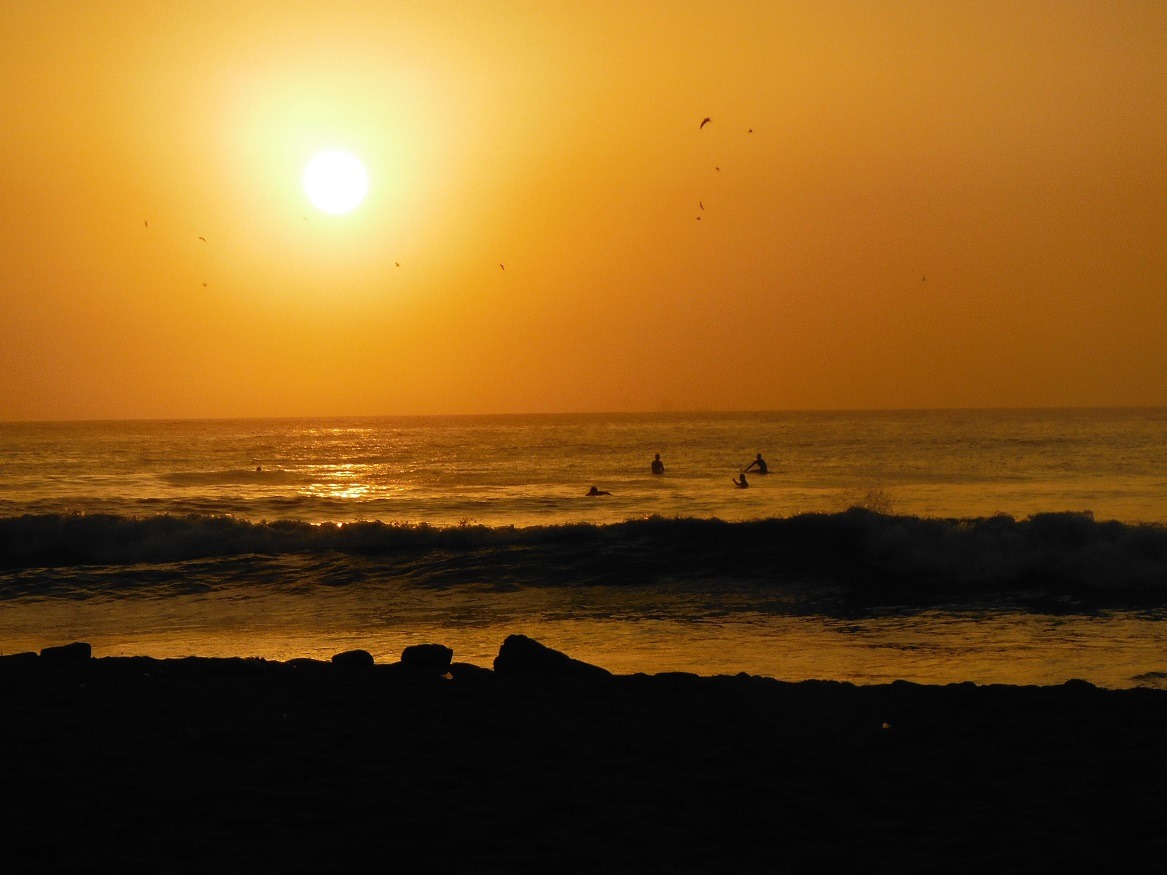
(658, 467)
(741, 483)
(760, 464)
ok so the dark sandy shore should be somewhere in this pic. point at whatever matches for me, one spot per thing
(134, 764)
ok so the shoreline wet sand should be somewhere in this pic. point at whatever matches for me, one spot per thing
(244, 765)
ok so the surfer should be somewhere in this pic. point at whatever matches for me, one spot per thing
(760, 464)
(658, 467)
(740, 482)
(593, 491)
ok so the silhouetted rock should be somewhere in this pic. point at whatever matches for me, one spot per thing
(78, 651)
(523, 656)
(353, 657)
(427, 657)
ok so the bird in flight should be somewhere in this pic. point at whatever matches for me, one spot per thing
(503, 266)
(704, 122)
(204, 239)
(701, 204)
(146, 223)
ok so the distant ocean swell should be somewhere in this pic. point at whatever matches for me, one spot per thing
(910, 559)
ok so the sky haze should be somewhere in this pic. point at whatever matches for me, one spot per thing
(898, 204)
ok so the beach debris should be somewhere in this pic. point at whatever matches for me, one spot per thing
(467, 672)
(353, 658)
(78, 651)
(526, 657)
(433, 658)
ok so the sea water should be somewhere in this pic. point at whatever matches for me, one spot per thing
(994, 546)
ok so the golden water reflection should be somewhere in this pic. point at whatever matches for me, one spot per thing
(1116, 650)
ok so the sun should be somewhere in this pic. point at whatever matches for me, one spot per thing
(335, 181)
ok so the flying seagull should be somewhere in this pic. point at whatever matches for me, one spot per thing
(204, 239)
(704, 122)
(503, 266)
(701, 204)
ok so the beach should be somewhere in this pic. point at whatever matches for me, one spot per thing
(247, 765)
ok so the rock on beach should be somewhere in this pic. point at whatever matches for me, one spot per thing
(209, 765)
(427, 657)
(353, 658)
(521, 656)
(78, 651)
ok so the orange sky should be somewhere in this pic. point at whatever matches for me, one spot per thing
(1013, 153)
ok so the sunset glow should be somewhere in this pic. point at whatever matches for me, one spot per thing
(910, 205)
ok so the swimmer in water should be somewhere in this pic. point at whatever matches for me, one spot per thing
(594, 491)
(741, 483)
(760, 464)
(658, 467)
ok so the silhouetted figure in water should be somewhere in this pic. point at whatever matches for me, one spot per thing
(740, 481)
(760, 464)
(658, 467)
(594, 491)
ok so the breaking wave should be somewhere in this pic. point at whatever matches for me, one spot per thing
(862, 551)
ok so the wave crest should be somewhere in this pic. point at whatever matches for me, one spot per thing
(860, 549)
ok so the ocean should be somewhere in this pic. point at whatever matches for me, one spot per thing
(1011, 546)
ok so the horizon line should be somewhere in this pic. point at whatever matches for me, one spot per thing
(597, 413)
